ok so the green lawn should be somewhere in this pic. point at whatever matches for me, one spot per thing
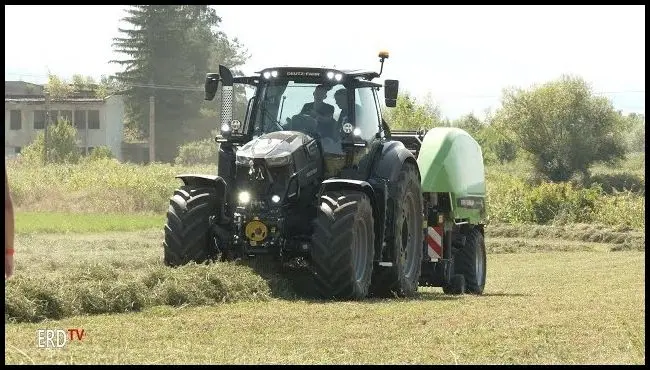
(55, 222)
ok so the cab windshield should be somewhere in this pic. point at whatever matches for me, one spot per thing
(307, 107)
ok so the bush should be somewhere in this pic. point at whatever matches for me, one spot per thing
(61, 145)
(550, 202)
(109, 186)
(197, 152)
(625, 209)
(513, 200)
(100, 152)
(619, 182)
(103, 185)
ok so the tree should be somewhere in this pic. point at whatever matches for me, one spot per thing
(58, 88)
(230, 53)
(108, 85)
(61, 146)
(563, 125)
(81, 83)
(471, 124)
(408, 114)
(495, 147)
(171, 46)
(636, 134)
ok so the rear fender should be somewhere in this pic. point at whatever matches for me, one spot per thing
(387, 168)
(390, 162)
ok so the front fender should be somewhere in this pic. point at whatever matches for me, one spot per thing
(347, 184)
(378, 209)
(204, 180)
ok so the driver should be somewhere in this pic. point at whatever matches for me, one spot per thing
(318, 108)
(341, 97)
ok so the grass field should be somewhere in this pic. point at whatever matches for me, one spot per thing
(89, 256)
(580, 303)
(57, 222)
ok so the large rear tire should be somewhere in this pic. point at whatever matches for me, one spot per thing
(343, 246)
(405, 239)
(187, 232)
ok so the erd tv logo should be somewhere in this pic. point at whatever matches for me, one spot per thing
(58, 338)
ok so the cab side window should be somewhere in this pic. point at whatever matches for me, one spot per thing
(365, 113)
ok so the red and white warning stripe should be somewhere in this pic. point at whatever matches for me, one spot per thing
(434, 242)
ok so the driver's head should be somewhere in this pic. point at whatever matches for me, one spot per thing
(320, 93)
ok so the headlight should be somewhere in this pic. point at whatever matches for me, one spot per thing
(244, 197)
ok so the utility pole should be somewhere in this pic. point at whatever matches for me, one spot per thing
(152, 102)
(152, 125)
(45, 129)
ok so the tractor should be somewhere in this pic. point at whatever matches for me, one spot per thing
(313, 178)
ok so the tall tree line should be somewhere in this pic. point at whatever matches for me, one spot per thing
(171, 47)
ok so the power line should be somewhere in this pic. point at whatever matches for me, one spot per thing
(166, 87)
(442, 95)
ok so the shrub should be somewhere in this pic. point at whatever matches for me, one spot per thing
(619, 182)
(61, 145)
(197, 152)
(513, 200)
(100, 152)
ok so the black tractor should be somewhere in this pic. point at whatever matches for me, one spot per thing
(310, 179)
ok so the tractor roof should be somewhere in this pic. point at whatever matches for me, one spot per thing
(308, 71)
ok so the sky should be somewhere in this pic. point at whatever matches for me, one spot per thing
(459, 57)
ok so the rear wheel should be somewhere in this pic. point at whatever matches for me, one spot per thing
(470, 261)
(456, 285)
(187, 231)
(343, 245)
(406, 238)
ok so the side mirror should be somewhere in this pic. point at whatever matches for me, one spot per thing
(211, 85)
(391, 88)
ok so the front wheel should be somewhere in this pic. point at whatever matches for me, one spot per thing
(187, 232)
(343, 245)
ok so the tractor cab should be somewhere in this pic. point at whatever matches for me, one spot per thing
(340, 109)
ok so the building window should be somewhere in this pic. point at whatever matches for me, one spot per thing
(39, 119)
(54, 117)
(66, 115)
(16, 120)
(80, 119)
(93, 119)
(18, 149)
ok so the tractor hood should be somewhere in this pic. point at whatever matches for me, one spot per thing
(275, 148)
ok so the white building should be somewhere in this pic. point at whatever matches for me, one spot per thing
(99, 122)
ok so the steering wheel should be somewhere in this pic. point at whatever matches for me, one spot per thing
(328, 141)
(303, 122)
